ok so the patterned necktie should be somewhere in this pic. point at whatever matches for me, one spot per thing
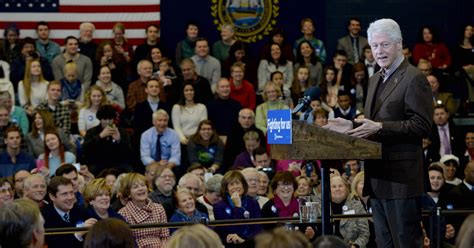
(355, 50)
(158, 148)
(66, 217)
(447, 146)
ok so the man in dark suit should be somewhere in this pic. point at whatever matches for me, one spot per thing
(353, 43)
(462, 195)
(444, 137)
(64, 213)
(399, 115)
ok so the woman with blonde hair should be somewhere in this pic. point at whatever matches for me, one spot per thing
(32, 90)
(271, 96)
(94, 99)
(97, 196)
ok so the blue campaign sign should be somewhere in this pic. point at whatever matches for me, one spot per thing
(279, 128)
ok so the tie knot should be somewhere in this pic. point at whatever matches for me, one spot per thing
(66, 217)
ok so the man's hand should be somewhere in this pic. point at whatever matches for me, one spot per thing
(115, 134)
(107, 131)
(339, 125)
(367, 128)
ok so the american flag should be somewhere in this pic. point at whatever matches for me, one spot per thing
(65, 16)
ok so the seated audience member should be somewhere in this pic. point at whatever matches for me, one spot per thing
(43, 121)
(106, 145)
(202, 88)
(9, 46)
(60, 112)
(332, 241)
(136, 90)
(113, 91)
(28, 53)
(442, 98)
(251, 176)
(32, 90)
(17, 113)
(345, 109)
(211, 194)
(220, 49)
(44, 45)
(429, 47)
(451, 165)
(168, 79)
(344, 69)
(21, 225)
(35, 189)
(97, 195)
(358, 85)
(70, 172)
(17, 180)
(187, 113)
(164, 181)
(308, 28)
(437, 195)
(425, 67)
(168, 152)
(141, 210)
(13, 159)
(192, 183)
(236, 204)
(245, 159)
(94, 99)
(263, 164)
(353, 231)
(223, 111)
(71, 53)
(62, 212)
(300, 84)
(444, 134)
(406, 50)
(329, 88)
(206, 65)
(240, 89)
(304, 186)
(197, 236)
(185, 48)
(205, 147)
(465, 237)
(281, 237)
(467, 153)
(320, 117)
(284, 203)
(238, 53)
(5, 123)
(6, 191)
(463, 193)
(369, 61)
(274, 60)
(306, 57)
(198, 170)
(357, 185)
(54, 153)
(144, 110)
(271, 96)
(109, 232)
(150, 172)
(185, 203)
(235, 144)
(72, 90)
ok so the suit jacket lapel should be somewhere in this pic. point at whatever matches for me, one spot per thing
(370, 94)
(392, 83)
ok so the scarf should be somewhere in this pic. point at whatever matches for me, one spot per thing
(70, 90)
(286, 211)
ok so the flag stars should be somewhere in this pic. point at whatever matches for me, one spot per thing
(54, 5)
(30, 5)
(7, 5)
(18, 5)
(42, 5)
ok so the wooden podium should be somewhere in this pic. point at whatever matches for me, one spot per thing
(310, 142)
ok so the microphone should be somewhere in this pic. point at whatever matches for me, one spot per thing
(312, 93)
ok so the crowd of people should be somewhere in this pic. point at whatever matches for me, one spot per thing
(162, 137)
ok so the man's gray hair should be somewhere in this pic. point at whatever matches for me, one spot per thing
(186, 177)
(213, 184)
(385, 26)
(29, 179)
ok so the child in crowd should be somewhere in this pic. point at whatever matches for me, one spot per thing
(344, 110)
(278, 78)
(300, 84)
(71, 86)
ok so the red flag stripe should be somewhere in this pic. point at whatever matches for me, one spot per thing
(75, 25)
(110, 9)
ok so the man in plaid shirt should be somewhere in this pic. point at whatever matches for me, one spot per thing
(60, 112)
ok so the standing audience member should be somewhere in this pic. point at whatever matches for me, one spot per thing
(206, 65)
(353, 43)
(220, 49)
(46, 47)
(141, 210)
(185, 48)
(71, 53)
(21, 225)
(307, 28)
(107, 55)
(13, 159)
(121, 44)
(9, 47)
